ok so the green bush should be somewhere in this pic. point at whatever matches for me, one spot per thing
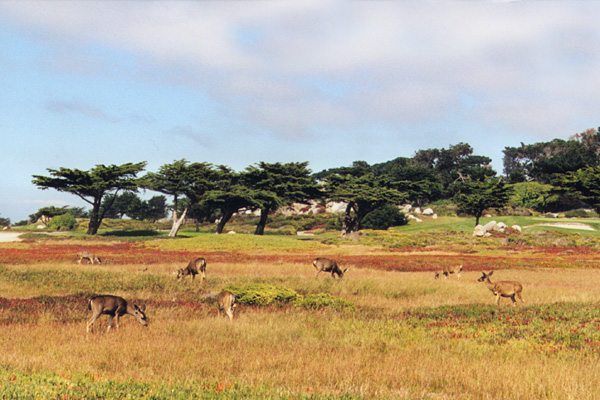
(322, 300)
(260, 294)
(384, 218)
(581, 213)
(263, 295)
(64, 222)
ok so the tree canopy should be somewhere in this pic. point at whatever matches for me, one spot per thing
(475, 197)
(277, 185)
(91, 186)
(363, 194)
(181, 179)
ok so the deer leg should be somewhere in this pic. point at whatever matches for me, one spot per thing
(110, 321)
(230, 314)
(91, 322)
(498, 299)
(317, 274)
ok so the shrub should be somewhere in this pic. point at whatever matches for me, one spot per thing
(64, 222)
(322, 300)
(581, 213)
(384, 218)
(263, 295)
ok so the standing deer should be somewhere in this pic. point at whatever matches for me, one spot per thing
(449, 270)
(226, 302)
(327, 265)
(114, 306)
(91, 257)
(195, 266)
(503, 288)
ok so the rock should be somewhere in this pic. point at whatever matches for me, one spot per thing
(490, 225)
(479, 231)
(500, 227)
(434, 216)
(428, 211)
(516, 228)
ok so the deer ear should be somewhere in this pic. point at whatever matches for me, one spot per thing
(143, 308)
(491, 272)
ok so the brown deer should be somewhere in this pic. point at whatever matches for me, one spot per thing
(327, 265)
(503, 288)
(226, 302)
(114, 306)
(91, 257)
(195, 266)
(449, 270)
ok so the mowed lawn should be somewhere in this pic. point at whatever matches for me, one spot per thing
(388, 329)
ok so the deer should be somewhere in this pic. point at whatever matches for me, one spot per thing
(449, 270)
(327, 265)
(503, 288)
(115, 307)
(91, 257)
(195, 266)
(226, 302)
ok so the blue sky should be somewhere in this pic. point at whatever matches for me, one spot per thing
(89, 82)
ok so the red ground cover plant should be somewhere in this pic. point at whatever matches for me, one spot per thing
(128, 253)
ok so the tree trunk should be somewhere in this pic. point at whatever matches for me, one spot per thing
(177, 223)
(224, 219)
(94, 218)
(350, 222)
(260, 228)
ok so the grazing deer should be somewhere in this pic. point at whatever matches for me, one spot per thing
(503, 288)
(449, 270)
(327, 265)
(91, 257)
(226, 302)
(114, 306)
(195, 266)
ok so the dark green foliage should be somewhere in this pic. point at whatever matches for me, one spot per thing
(181, 179)
(362, 194)
(91, 186)
(475, 197)
(4, 221)
(540, 161)
(384, 218)
(583, 184)
(277, 185)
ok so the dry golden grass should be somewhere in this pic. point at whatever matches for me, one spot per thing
(304, 352)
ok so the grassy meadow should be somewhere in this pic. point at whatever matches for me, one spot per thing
(388, 329)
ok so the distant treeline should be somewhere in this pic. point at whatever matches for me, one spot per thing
(549, 176)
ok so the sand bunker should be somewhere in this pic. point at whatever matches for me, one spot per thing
(568, 225)
(10, 236)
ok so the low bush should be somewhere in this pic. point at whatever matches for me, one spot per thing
(265, 295)
(384, 218)
(64, 222)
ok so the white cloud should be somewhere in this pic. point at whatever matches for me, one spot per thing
(529, 66)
